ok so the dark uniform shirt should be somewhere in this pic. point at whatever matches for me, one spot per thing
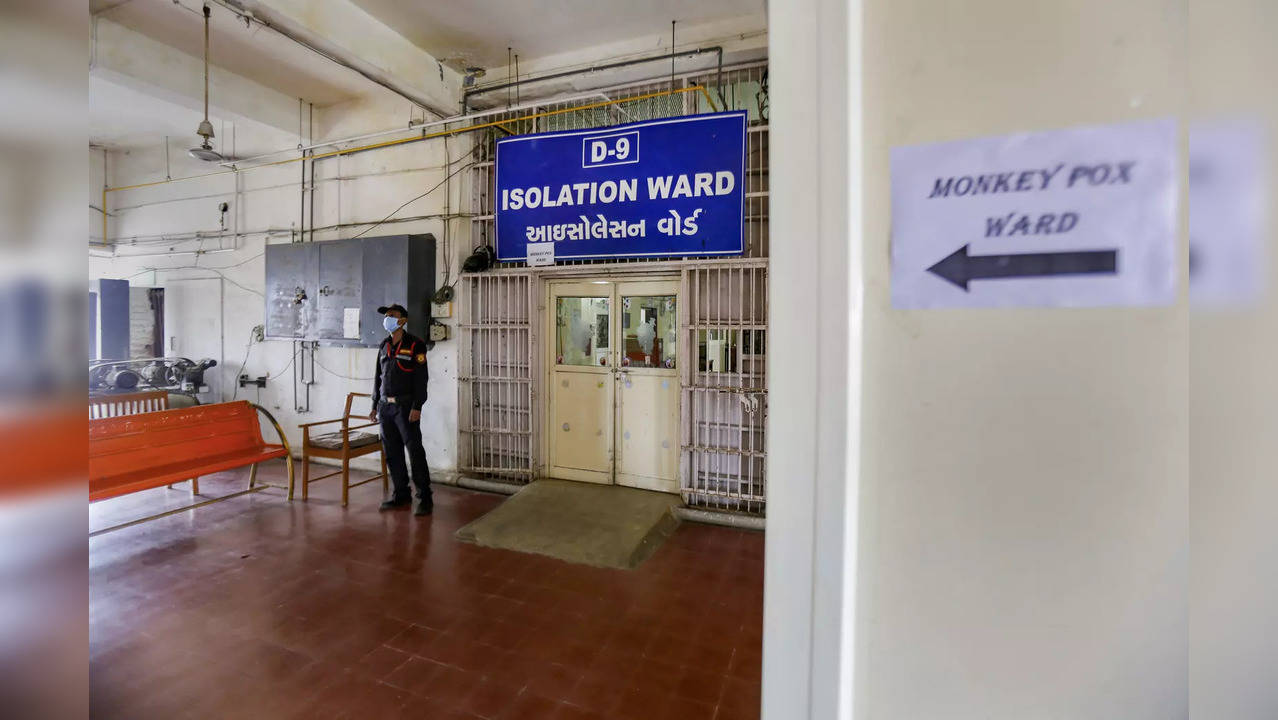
(401, 371)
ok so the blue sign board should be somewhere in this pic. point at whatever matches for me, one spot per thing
(669, 187)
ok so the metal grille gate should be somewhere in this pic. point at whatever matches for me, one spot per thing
(723, 311)
(725, 324)
(496, 375)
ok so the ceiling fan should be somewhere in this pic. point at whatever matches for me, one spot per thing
(205, 151)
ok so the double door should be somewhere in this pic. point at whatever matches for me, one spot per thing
(613, 382)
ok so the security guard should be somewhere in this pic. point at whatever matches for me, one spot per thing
(399, 391)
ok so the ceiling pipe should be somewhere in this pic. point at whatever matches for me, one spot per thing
(414, 127)
(416, 138)
(420, 125)
(265, 15)
(717, 49)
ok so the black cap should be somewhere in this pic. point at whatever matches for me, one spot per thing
(385, 308)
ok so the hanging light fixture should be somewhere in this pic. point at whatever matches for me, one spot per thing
(205, 151)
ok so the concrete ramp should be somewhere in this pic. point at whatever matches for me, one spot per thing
(601, 525)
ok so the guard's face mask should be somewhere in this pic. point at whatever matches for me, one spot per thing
(390, 323)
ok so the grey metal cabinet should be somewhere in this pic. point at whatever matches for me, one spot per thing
(291, 274)
(330, 291)
(397, 269)
(341, 283)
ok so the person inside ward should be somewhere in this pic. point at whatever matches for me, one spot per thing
(399, 391)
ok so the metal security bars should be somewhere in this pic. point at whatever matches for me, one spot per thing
(723, 308)
(725, 326)
(496, 373)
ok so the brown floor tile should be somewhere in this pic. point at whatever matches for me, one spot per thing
(415, 640)
(415, 675)
(312, 611)
(656, 673)
(746, 664)
(686, 709)
(700, 686)
(530, 706)
(452, 686)
(434, 713)
(596, 693)
(669, 647)
(615, 663)
(709, 656)
(382, 661)
(490, 698)
(640, 704)
(740, 698)
(572, 712)
(553, 680)
(736, 712)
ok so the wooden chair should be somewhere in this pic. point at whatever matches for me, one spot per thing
(341, 445)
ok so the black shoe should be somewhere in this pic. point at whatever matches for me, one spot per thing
(393, 504)
(423, 508)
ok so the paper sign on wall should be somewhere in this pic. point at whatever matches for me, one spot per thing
(541, 254)
(1064, 218)
(350, 323)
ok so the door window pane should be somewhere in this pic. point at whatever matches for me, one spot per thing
(581, 331)
(649, 331)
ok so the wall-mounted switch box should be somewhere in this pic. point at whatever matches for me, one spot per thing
(441, 310)
(438, 331)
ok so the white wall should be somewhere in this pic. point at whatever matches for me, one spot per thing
(223, 289)
(1234, 400)
(141, 324)
(1024, 478)
(815, 276)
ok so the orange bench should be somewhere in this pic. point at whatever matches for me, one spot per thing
(118, 404)
(138, 452)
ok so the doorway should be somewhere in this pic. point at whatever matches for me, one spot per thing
(614, 387)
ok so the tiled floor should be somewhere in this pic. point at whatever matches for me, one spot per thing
(257, 608)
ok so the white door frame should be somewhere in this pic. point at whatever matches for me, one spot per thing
(603, 285)
(814, 362)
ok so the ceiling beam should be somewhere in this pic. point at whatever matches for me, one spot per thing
(133, 60)
(346, 34)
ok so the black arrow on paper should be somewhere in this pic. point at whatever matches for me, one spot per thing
(960, 268)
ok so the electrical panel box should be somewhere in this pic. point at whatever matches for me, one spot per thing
(330, 291)
(340, 294)
(290, 290)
